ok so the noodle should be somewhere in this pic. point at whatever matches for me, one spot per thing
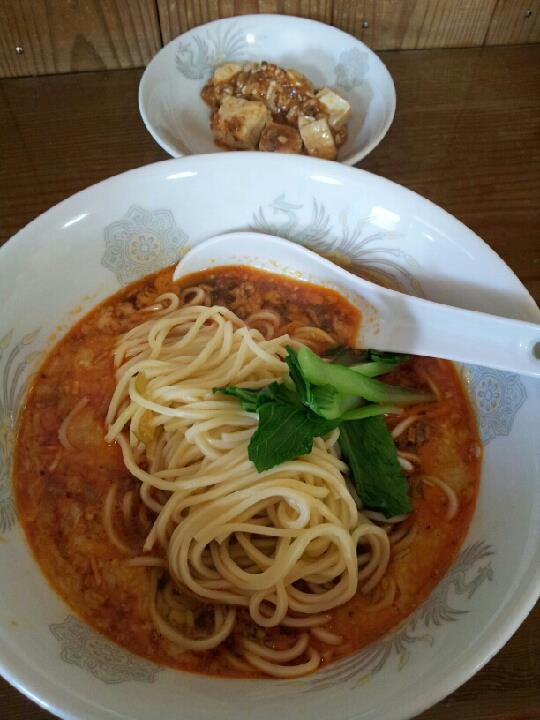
(271, 667)
(282, 544)
(62, 430)
(403, 425)
(452, 499)
(326, 636)
(405, 464)
(108, 522)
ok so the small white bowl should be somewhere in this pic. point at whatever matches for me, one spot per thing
(177, 118)
(113, 233)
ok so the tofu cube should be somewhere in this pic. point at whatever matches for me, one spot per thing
(317, 137)
(238, 123)
(224, 73)
(338, 108)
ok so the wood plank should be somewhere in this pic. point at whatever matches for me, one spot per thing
(178, 16)
(79, 35)
(468, 137)
(410, 24)
(514, 22)
(382, 24)
(62, 133)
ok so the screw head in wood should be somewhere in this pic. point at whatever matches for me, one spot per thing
(19, 50)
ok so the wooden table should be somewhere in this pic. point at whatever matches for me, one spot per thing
(466, 135)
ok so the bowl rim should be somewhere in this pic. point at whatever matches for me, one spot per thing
(69, 704)
(265, 17)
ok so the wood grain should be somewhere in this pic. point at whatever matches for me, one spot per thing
(513, 22)
(466, 135)
(62, 133)
(177, 16)
(382, 24)
(69, 35)
(410, 24)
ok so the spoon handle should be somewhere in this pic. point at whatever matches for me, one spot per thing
(420, 327)
(390, 320)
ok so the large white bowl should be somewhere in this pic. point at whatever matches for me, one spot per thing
(88, 246)
(170, 90)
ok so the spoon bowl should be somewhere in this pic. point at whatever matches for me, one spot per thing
(391, 320)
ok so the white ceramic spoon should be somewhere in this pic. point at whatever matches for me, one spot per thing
(390, 320)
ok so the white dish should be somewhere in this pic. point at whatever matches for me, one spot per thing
(84, 249)
(179, 120)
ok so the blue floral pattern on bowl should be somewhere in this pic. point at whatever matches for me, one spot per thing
(16, 363)
(85, 648)
(352, 68)
(199, 54)
(373, 253)
(497, 396)
(471, 569)
(142, 242)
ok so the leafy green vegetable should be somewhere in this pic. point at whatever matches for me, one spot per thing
(285, 432)
(303, 386)
(328, 402)
(348, 382)
(248, 397)
(378, 363)
(369, 450)
(252, 398)
(331, 404)
(278, 392)
(373, 369)
(286, 426)
(323, 400)
(319, 396)
(367, 362)
(370, 410)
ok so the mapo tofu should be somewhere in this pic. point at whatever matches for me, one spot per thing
(260, 106)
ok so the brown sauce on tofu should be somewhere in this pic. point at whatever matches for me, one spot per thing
(265, 107)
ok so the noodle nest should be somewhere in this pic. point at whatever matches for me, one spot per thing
(265, 550)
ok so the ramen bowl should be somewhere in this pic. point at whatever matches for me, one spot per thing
(86, 248)
(170, 90)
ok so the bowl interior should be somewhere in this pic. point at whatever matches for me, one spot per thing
(84, 249)
(178, 119)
